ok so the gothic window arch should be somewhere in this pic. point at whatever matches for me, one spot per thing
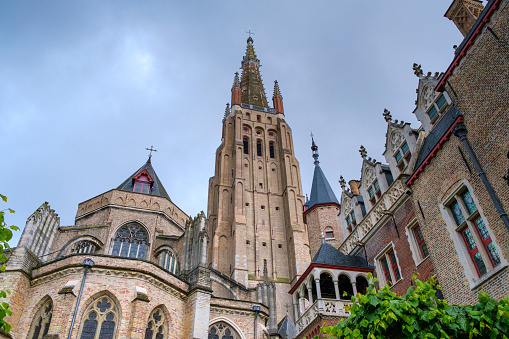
(83, 246)
(168, 260)
(100, 320)
(131, 241)
(157, 325)
(41, 321)
(222, 330)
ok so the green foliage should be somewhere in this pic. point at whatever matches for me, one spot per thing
(5, 236)
(420, 314)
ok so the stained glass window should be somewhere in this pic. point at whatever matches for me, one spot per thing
(469, 202)
(169, 261)
(102, 315)
(421, 242)
(456, 213)
(157, 327)
(42, 321)
(131, 241)
(83, 246)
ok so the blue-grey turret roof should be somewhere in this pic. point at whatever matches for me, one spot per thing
(157, 187)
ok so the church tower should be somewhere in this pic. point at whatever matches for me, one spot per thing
(255, 197)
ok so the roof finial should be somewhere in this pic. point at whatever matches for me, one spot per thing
(387, 115)
(151, 149)
(363, 152)
(314, 148)
(342, 182)
(236, 81)
(307, 199)
(417, 69)
(249, 40)
(323, 238)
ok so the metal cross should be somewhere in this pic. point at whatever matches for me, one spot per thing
(312, 135)
(249, 32)
(151, 149)
(287, 307)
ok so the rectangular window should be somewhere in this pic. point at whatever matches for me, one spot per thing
(246, 146)
(389, 265)
(405, 148)
(271, 149)
(399, 157)
(329, 235)
(441, 102)
(259, 148)
(433, 112)
(420, 242)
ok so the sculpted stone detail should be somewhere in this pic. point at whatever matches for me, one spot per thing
(427, 97)
(369, 176)
(396, 140)
(347, 203)
(388, 199)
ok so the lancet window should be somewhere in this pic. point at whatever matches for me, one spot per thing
(131, 241)
(246, 146)
(157, 326)
(42, 321)
(168, 261)
(100, 320)
(222, 330)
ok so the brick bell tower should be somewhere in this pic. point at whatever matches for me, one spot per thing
(255, 196)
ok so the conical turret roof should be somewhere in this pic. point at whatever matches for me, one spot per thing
(157, 186)
(321, 191)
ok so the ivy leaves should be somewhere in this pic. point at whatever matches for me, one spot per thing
(420, 314)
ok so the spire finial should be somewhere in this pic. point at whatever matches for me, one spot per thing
(307, 199)
(151, 149)
(227, 110)
(387, 115)
(277, 92)
(249, 39)
(314, 148)
(236, 81)
(342, 182)
(363, 152)
(323, 238)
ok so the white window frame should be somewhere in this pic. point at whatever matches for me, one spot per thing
(455, 233)
(417, 255)
(380, 269)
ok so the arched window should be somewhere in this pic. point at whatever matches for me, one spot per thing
(222, 330)
(362, 284)
(99, 320)
(169, 261)
(41, 322)
(131, 241)
(259, 148)
(327, 286)
(157, 327)
(83, 246)
(271, 149)
(344, 285)
(246, 146)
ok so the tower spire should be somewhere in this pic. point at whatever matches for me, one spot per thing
(251, 84)
(277, 99)
(236, 90)
(314, 148)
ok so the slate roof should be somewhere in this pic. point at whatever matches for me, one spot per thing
(287, 328)
(321, 192)
(157, 187)
(437, 133)
(329, 255)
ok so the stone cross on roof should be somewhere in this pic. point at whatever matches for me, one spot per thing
(249, 32)
(151, 149)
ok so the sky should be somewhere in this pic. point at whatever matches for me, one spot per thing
(86, 86)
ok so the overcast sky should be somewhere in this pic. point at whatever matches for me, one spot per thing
(86, 86)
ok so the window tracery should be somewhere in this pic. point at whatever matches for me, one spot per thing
(131, 241)
(102, 315)
(222, 330)
(42, 321)
(168, 261)
(83, 246)
(157, 327)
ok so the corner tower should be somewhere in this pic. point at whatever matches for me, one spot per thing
(255, 197)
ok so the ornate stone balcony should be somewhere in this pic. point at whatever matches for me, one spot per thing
(327, 307)
(390, 198)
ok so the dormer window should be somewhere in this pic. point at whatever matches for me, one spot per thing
(374, 192)
(350, 221)
(403, 156)
(142, 182)
(437, 108)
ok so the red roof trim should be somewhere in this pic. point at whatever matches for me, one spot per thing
(441, 85)
(318, 205)
(141, 173)
(433, 152)
(310, 267)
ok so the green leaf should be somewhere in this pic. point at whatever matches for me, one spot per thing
(4, 198)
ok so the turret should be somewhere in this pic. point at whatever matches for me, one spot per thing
(277, 99)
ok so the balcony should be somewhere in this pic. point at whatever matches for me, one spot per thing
(326, 307)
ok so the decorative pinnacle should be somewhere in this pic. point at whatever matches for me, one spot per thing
(236, 81)
(323, 238)
(314, 148)
(307, 199)
(342, 182)
(227, 110)
(277, 92)
(417, 70)
(363, 152)
(387, 115)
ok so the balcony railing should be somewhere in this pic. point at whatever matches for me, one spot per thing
(386, 201)
(329, 307)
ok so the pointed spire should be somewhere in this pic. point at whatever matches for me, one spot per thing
(227, 110)
(236, 81)
(236, 97)
(251, 84)
(277, 99)
(387, 115)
